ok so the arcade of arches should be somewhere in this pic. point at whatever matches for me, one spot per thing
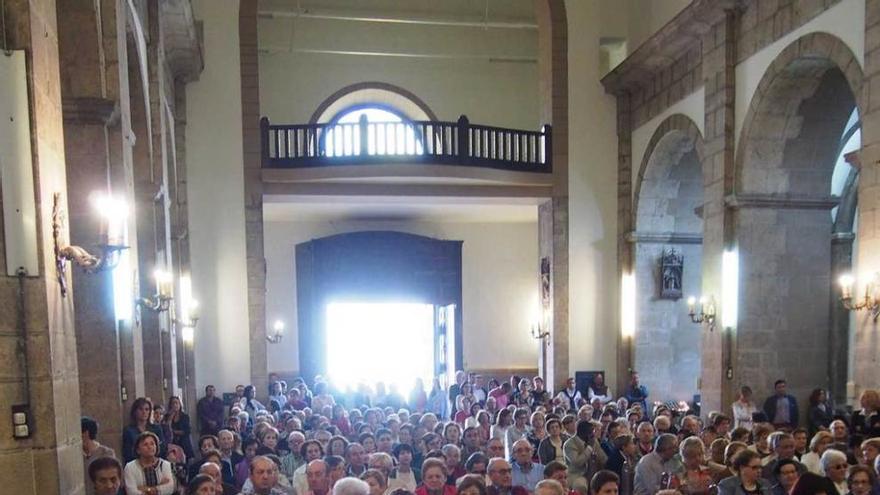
(541, 185)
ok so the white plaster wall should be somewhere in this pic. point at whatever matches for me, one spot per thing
(646, 17)
(215, 189)
(500, 92)
(593, 280)
(845, 20)
(499, 285)
(692, 106)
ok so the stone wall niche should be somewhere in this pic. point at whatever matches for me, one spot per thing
(669, 198)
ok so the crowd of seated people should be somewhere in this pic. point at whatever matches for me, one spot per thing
(476, 438)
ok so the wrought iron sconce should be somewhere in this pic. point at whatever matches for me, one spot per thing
(277, 332)
(870, 302)
(706, 313)
(113, 213)
(161, 300)
(537, 333)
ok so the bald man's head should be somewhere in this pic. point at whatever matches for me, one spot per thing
(264, 473)
(522, 451)
(211, 469)
(316, 475)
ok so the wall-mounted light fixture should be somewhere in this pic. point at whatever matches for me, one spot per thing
(537, 332)
(870, 302)
(111, 238)
(705, 313)
(189, 321)
(277, 332)
(189, 309)
(161, 300)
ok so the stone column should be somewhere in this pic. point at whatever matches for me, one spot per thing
(87, 114)
(553, 215)
(838, 352)
(553, 244)
(719, 62)
(253, 194)
(38, 367)
(625, 225)
(866, 369)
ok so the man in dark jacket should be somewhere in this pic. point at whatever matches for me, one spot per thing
(781, 408)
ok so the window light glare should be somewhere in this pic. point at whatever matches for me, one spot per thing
(628, 305)
(729, 288)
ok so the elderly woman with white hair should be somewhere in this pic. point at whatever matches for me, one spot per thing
(834, 464)
(351, 486)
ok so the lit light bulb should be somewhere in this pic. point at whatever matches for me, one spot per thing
(278, 327)
(193, 309)
(846, 284)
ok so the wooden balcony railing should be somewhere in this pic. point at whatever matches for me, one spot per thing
(434, 142)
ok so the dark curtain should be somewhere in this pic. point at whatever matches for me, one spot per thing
(371, 267)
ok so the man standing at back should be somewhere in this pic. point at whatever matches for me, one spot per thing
(781, 408)
(210, 412)
(635, 392)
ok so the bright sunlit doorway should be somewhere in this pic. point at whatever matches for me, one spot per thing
(368, 343)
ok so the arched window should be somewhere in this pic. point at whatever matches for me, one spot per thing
(844, 174)
(372, 129)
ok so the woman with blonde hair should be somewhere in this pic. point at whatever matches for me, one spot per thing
(866, 421)
(818, 444)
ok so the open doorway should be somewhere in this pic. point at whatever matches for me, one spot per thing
(388, 342)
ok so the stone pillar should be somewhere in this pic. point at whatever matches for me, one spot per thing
(149, 232)
(121, 141)
(553, 215)
(838, 342)
(866, 369)
(253, 194)
(719, 62)
(625, 225)
(86, 115)
(553, 244)
(180, 226)
(37, 337)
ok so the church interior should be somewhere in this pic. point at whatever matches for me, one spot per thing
(663, 201)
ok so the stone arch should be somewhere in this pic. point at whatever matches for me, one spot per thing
(373, 92)
(678, 128)
(814, 69)
(781, 184)
(667, 216)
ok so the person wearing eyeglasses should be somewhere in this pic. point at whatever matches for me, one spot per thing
(526, 473)
(786, 475)
(860, 480)
(501, 475)
(747, 480)
(834, 464)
